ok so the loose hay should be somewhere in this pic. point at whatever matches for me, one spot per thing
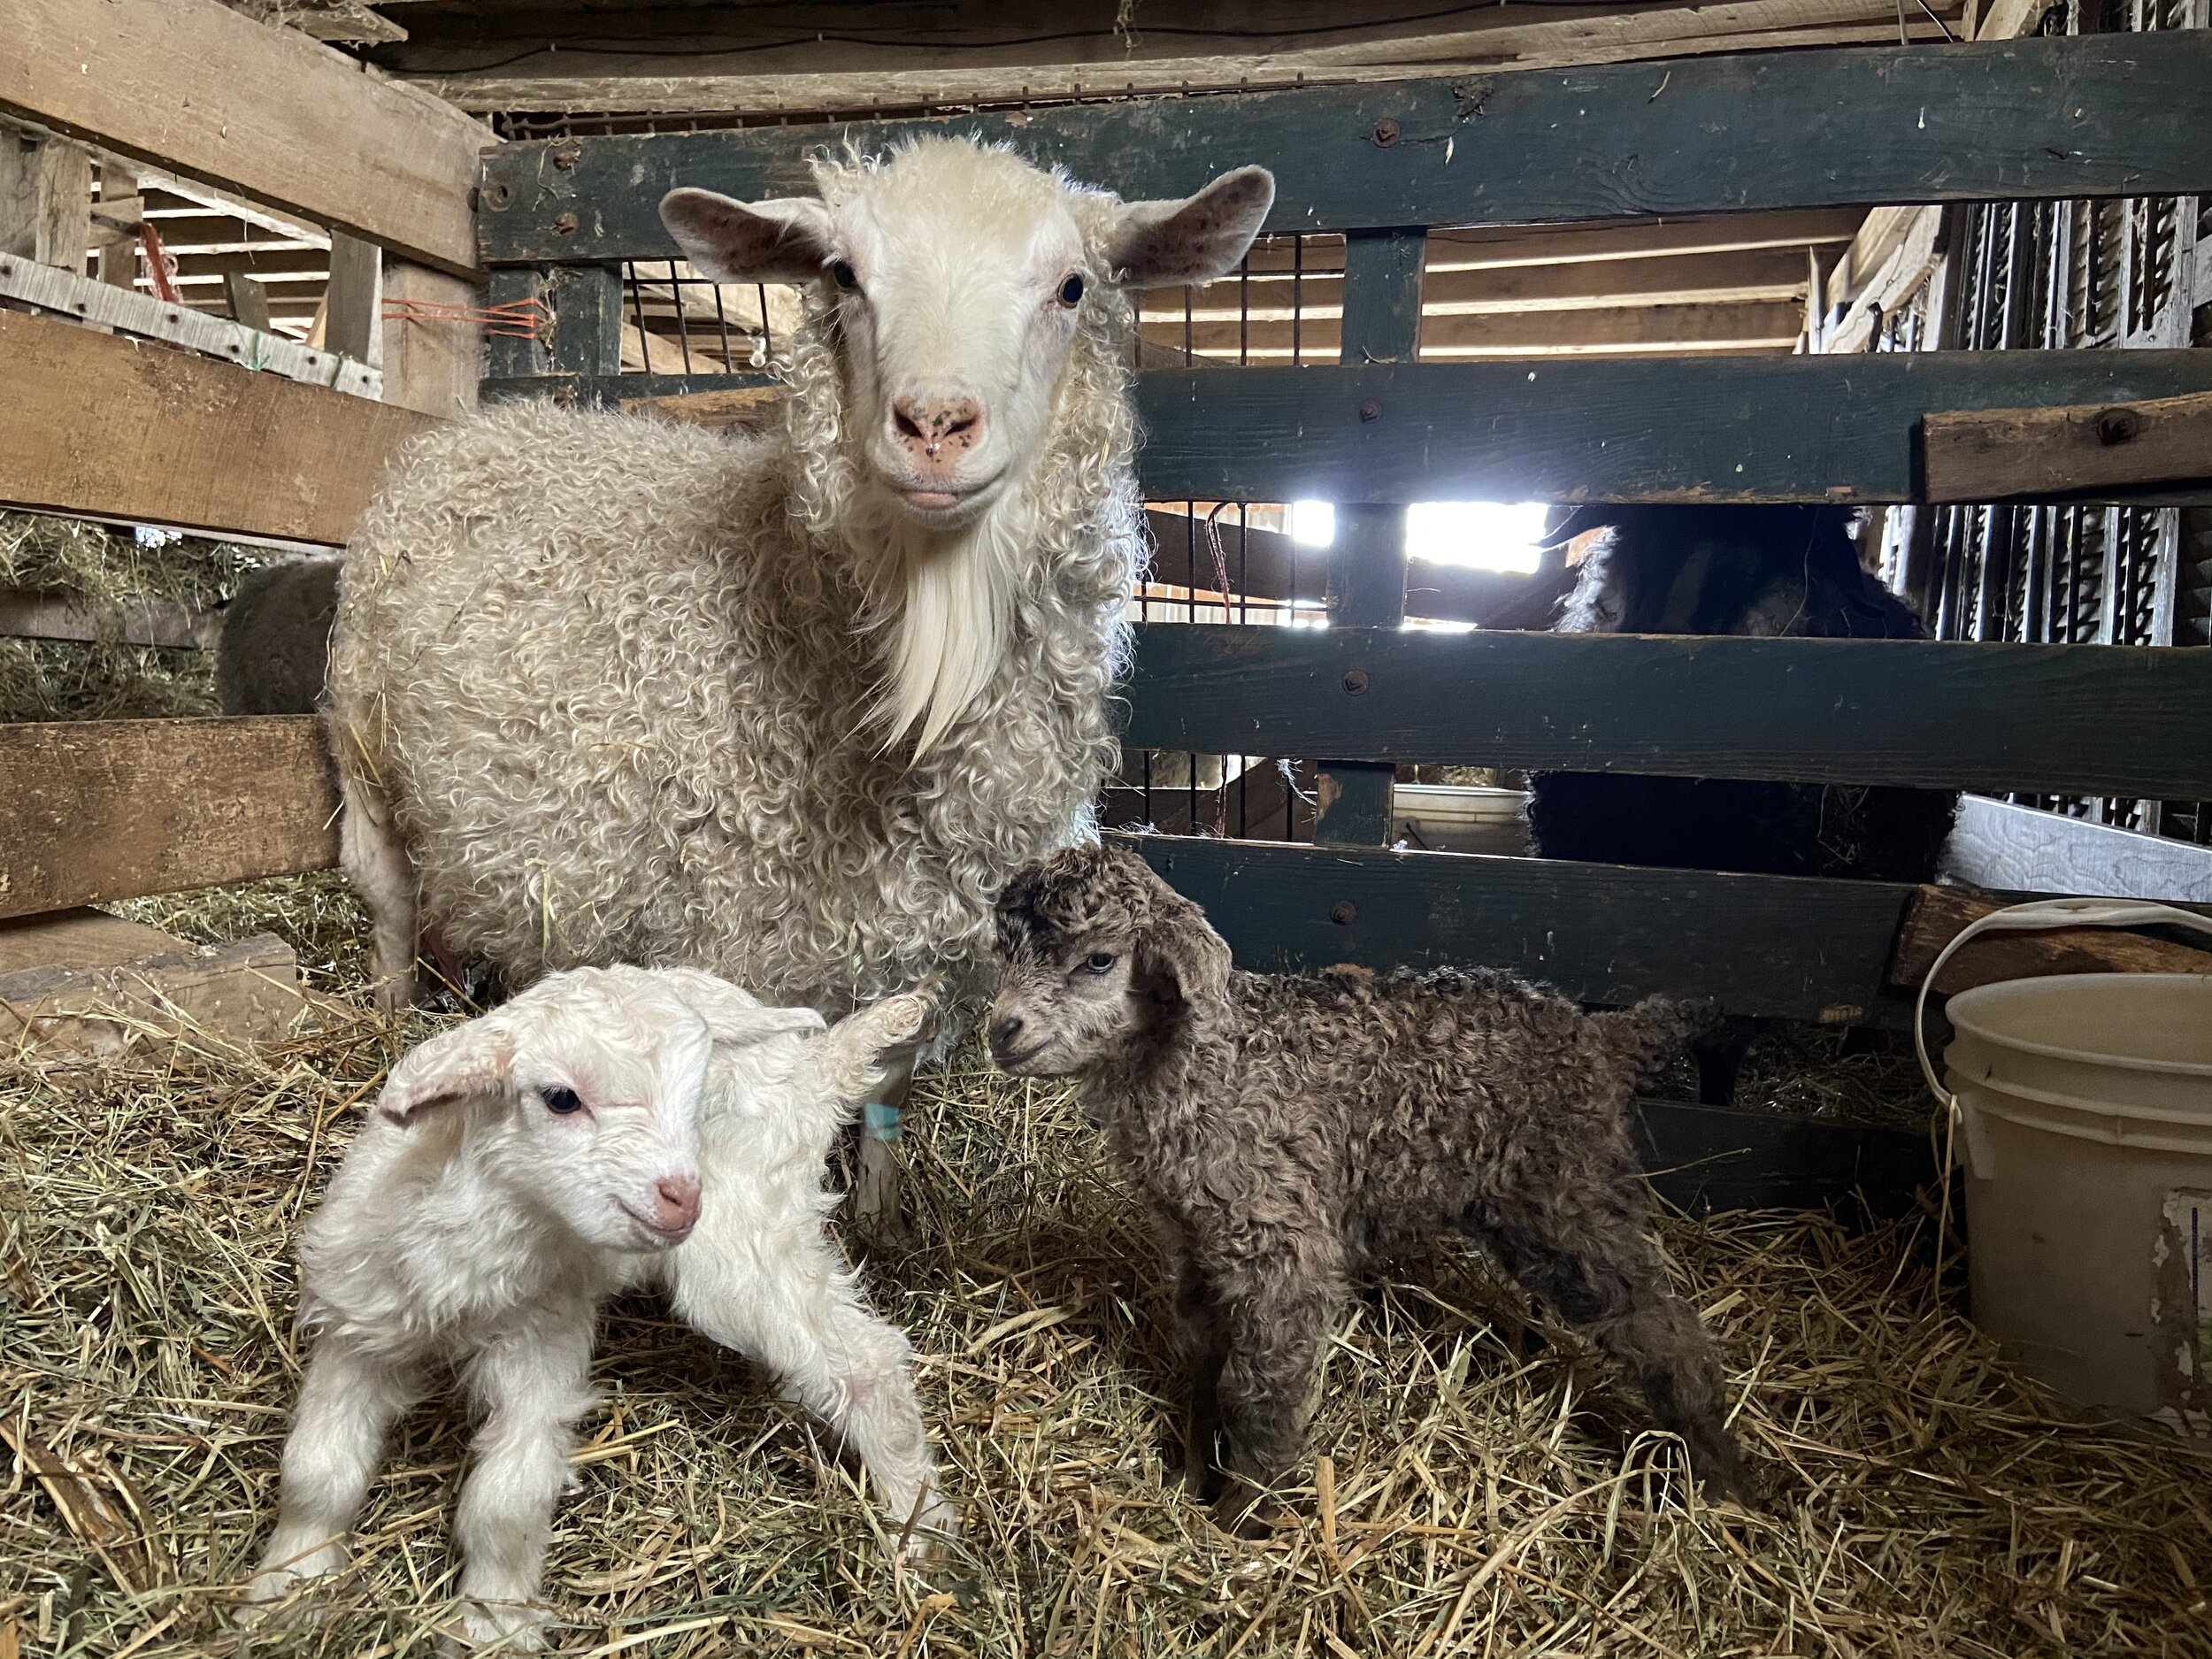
(1476, 1501)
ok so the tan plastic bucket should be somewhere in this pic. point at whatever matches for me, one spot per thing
(2085, 1109)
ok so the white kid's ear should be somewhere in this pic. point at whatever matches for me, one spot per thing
(783, 240)
(477, 1058)
(736, 1018)
(1166, 244)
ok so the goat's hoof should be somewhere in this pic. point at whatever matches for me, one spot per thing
(1244, 1510)
(488, 1627)
(270, 1594)
(933, 1530)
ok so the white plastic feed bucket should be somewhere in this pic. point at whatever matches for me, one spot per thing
(2083, 1109)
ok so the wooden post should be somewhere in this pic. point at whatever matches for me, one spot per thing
(431, 364)
(45, 198)
(512, 357)
(587, 301)
(1367, 565)
(352, 327)
(120, 204)
(249, 301)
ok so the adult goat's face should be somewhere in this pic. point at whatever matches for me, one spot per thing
(1098, 957)
(959, 273)
(580, 1100)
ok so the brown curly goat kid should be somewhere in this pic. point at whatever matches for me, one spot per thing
(1291, 1130)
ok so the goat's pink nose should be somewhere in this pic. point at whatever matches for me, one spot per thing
(676, 1202)
(937, 431)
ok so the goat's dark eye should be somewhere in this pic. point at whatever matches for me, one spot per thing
(1099, 962)
(1072, 290)
(844, 275)
(563, 1101)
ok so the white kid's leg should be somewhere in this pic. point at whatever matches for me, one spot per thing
(804, 1320)
(348, 1404)
(532, 1387)
(375, 862)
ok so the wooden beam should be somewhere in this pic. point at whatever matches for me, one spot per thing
(38, 613)
(248, 303)
(2089, 719)
(1773, 428)
(1939, 915)
(1708, 1160)
(731, 62)
(2018, 849)
(1787, 947)
(194, 86)
(1647, 239)
(1993, 454)
(100, 809)
(1656, 328)
(2089, 115)
(104, 427)
(354, 299)
(434, 350)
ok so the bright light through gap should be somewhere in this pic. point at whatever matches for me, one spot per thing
(1481, 534)
(1312, 523)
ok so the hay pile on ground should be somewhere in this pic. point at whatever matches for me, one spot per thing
(1478, 1501)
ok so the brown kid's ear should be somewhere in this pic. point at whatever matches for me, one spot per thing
(1167, 244)
(469, 1060)
(787, 240)
(1181, 946)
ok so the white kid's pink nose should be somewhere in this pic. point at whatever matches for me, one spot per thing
(676, 1203)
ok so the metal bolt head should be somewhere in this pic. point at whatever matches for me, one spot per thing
(2118, 425)
(1356, 680)
(1370, 411)
(1344, 912)
(564, 225)
(1386, 132)
(497, 195)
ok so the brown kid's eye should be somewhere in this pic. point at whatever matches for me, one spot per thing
(844, 276)
(1072, 290)
(1099, 962)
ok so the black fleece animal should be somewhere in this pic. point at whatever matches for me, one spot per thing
(1291, 1132)
(1767, 572)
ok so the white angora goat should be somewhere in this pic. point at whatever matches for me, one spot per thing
(608, 1127)
(790, 708)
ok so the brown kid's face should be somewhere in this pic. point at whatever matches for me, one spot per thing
(1063, 1004)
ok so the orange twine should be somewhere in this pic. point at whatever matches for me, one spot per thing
(517, 320)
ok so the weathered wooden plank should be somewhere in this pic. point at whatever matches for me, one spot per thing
(40, 613)
(1993, 454)
(1708, 1160)
(1794, 429)
(2091, 115)
(2089, 719)
(103, 425)
(1771, 945)
(99, 810)
(269, 113)
(1938, 915)
(1996, 844)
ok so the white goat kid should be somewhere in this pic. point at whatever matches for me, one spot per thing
(606, 1128)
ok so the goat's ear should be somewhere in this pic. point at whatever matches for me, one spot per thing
(1166, 244)
(736, 1018)
(1179, 945)
(783, 240)
(477, 1058)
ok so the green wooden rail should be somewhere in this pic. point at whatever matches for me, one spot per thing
(2093, 115)
(2087, 720)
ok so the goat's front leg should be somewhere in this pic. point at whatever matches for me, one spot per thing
(532, 1386)
(1277, 1318)
(375, 862)
(787, 1302)
(1202, 1345)
(348, 1404)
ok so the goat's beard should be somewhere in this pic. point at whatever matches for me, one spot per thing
(944, 604)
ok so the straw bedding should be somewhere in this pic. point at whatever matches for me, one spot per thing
(1477, 1499)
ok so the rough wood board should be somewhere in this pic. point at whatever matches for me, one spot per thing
(76, 939)
(2090, 115)
(1937, 915)
(106, 426)
(1994, 453)
(36, 613)
(2091, 719)
(1782, 946)
(1786, 428)
(2010, 848)
(1708, 1160)
(194, 86)
(95, 810)
(431, 364)
(62, 1017)
(963, 57)
(743, 406)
